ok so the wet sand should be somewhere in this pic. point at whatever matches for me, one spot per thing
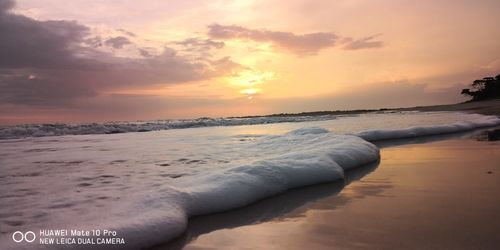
(430, 194)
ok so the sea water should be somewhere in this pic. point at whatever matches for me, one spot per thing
(145, 186)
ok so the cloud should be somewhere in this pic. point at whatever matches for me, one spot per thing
(58, 62)
(25, 42)
(93, 42)
(61, 86)
(305, 44)
(35, 90)
(363, 43)
(199, 48)
(6, 5)
(117, 42)
(144, 53)
(126, 32)
(201, 44)
(401, 93)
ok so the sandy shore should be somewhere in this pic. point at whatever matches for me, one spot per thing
(439, 192)
(429, 194)
(490, 107)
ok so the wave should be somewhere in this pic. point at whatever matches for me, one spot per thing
(321, 156)
(299, 158)
(58, 129)
(418, 131)
(304, 157)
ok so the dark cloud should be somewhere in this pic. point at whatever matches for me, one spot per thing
(25, 42)
(61, 86)
(363, 43)
(117, 42)
(46, 89)
(6, 5)
(305, 44)
(57, 62)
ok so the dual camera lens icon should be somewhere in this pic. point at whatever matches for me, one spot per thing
(19, 236)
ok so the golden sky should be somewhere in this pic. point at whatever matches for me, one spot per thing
(129, 60)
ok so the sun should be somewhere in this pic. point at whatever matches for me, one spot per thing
(250, 91)
(246, 81)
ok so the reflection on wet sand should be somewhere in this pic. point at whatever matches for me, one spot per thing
(285, 206)
(478, 134)
(431, 192)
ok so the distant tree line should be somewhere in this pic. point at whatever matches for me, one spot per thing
(483, 89)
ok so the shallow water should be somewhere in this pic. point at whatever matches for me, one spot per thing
(138, 183)
(426, 194)
(342, 124)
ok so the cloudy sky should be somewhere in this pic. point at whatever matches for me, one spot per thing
(94, 60)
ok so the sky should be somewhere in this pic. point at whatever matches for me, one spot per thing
(123, 60)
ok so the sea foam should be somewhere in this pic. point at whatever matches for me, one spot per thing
(321, 156)
(58, 129)
(302, 157)
(479, 121)
(124, 183)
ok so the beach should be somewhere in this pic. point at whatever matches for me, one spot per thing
(438, 192)
(299, 124)
(487, 107)
(426, 194)
(198, 187)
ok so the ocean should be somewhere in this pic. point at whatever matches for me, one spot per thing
(143, 186)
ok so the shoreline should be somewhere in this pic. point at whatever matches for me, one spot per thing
(491, 107)
(486, 107)
(410, 195)
(415, 135)
(200, 226)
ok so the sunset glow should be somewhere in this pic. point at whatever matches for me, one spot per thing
(186, 59)
(249, 124)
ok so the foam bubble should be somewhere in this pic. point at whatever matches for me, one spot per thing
(159, 180)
